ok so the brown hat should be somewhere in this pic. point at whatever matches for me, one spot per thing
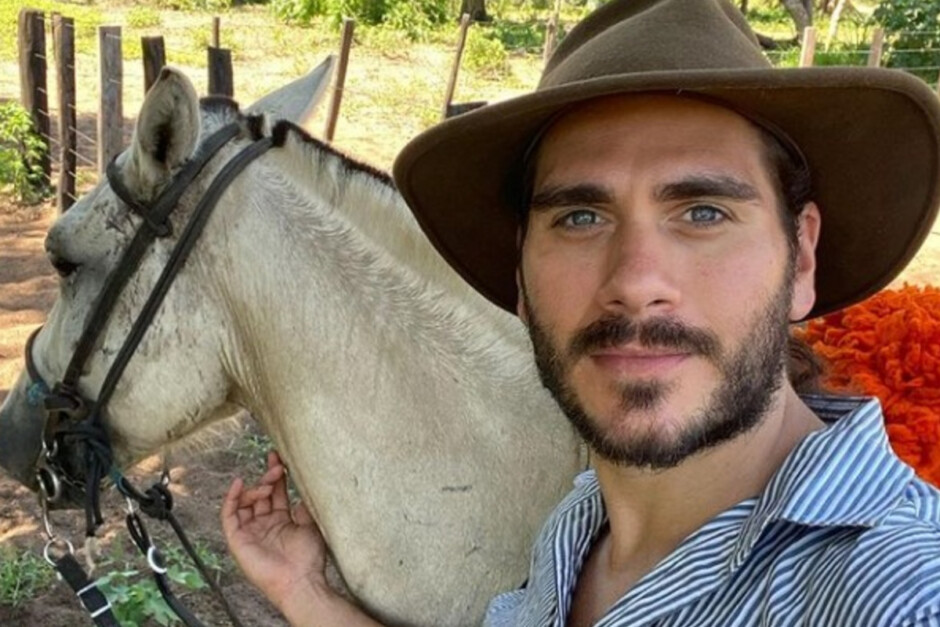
(869, 136)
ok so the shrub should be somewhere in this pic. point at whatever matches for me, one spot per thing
(196, 5)
(409, 15)
(133, 593)
(299, 10)
(486, 55)
(912, 29)
(21, 152)
(143, 17)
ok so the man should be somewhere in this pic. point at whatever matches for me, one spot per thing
(658, 212)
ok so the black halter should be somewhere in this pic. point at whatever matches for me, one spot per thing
(74, 423)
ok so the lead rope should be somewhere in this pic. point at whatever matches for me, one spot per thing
(157, 502)
(70, 571)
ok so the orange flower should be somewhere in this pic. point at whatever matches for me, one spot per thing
(889, 346)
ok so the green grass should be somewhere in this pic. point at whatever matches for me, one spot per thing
(129, 586)
(87, 19)
(23, 575)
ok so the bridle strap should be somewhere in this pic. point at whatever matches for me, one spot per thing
(157, 502)
(130, 260)
(87, 591)
(65, 402)
(184, 246)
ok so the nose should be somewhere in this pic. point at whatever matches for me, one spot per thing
(640, 277)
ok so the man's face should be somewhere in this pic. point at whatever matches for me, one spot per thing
(656, 277)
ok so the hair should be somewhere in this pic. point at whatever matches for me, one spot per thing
(791, 177)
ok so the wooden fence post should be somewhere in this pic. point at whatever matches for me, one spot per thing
(33, 91)
(221, 80)
(877, 45)
(455, 69)
(154, 56)
(349, 25)
(551, 33)
(63, 37)
(809, 47)
(111, 105)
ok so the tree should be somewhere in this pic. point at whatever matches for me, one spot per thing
(802, 13)
(476, 9)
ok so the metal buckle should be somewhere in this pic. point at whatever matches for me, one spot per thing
(50, 484)
(52, 540)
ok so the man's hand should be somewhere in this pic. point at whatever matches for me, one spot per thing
(281, 551)
(279, 548)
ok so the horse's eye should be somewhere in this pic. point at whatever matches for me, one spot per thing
(63, 266)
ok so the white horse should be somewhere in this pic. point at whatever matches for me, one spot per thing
(406, 406)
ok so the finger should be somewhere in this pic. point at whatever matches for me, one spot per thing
(253, 494)
(228, 512)
(230, 501)
(245, 515)
(301, 515)
(279, 498)
(272, 474)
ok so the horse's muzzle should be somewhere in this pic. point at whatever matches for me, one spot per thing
(21, 425)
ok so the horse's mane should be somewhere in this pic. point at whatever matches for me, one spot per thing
(326, 200)
(366, 199)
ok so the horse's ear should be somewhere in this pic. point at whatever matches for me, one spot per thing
(167, 127)
(297, 100)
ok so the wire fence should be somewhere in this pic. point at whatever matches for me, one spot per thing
(86, 137)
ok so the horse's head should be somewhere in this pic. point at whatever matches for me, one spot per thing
(176, 378)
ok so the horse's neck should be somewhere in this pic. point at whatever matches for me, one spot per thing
(345, 292)
(406, 406)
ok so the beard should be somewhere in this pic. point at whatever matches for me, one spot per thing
(749, 378)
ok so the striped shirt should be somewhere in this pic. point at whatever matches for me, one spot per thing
(843, 535)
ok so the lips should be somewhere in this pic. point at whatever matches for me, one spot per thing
(638, 362)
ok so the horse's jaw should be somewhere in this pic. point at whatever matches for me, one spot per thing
(21, 426)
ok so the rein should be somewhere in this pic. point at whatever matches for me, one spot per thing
(74, 421)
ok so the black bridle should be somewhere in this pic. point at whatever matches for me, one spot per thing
(74, 424)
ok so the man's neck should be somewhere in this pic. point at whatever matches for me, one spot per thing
(651, 513)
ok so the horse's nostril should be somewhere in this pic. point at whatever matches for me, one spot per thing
(63, 267)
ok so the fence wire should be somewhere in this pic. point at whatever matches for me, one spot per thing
(898, 52)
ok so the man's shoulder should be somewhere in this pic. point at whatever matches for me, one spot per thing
(885, 574)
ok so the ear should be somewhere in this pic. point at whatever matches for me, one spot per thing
(296, 101)
(804, 280)
(167, 129)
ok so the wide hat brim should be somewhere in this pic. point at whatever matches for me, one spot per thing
(869, 136)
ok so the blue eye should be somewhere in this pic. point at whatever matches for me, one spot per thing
(705, 215)
(579, 218)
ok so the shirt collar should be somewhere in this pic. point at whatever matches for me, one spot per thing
(843, 475)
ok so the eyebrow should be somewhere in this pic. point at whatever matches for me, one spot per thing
(697, 185)
(716, 186)
(585, 194)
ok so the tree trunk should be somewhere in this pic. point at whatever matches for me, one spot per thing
(834, 22)
(802, 13)
(476, 9)
(744, 7)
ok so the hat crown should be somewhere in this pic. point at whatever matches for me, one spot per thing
(637, 36)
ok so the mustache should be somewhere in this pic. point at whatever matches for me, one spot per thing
(612, 331)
